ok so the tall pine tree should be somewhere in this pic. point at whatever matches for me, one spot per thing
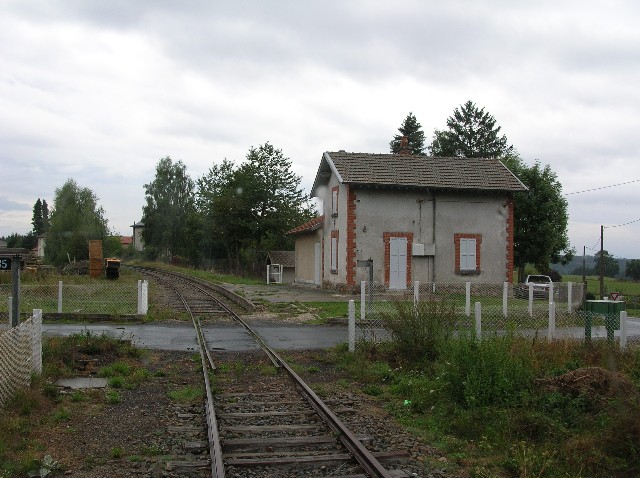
(471, 133)
(412, 130)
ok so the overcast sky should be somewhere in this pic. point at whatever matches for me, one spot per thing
(100, 90)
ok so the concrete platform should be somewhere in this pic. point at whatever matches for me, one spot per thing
(82, 383)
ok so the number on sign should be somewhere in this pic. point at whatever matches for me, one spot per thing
(5, 264)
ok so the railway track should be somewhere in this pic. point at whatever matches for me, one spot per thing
(265, 421)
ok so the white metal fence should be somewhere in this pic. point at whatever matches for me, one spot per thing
(95, 298)
(482, 308)
(20, 355)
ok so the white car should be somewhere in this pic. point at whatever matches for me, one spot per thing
(541, 284)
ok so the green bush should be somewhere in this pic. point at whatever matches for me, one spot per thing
(420, 330)
(479, 373)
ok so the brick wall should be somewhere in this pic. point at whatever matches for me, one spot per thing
(351, 236)
(510, 238)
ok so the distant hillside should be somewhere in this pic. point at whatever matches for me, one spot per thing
(575, 266)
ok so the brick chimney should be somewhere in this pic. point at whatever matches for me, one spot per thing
(404, 146)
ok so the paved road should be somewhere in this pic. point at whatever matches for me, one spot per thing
(280, 337)
(222, 338)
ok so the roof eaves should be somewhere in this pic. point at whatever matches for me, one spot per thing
(326, 159)
(525, 188)
(309, 226)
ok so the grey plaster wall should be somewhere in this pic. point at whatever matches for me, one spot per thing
(431, 217)
(379, 211)
(338, 223)
(474, 214)
(305, 254)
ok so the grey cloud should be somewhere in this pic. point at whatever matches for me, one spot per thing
(7, 204)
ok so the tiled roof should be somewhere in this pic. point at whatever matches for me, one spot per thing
(308, 226)
(284, 258)
(406, 170)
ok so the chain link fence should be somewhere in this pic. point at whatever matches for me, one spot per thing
(20, 355)
(110, 298)
(483, 308)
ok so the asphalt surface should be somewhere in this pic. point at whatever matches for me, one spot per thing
(227, 337)
(220, 338)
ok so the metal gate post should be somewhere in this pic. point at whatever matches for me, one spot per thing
(60, 297)
(478, 311)
(15, 305)
(505, 295)
(552, 321)
(352, 326)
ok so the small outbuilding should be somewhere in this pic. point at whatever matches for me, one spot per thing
(281, 267)
(138, 242)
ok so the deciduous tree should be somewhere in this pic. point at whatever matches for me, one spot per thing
(253, 205)
(607, 263)
(75, 220)
(171, 225)
(632, 269)
(540, 218)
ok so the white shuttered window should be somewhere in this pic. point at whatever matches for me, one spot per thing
(467, 254)
(334, 253)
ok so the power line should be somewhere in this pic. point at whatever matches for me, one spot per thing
(603, 187)
(620, 225)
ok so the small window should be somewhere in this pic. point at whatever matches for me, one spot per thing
(334, 253)
(334, 202)
(468, 255)
(467, 248)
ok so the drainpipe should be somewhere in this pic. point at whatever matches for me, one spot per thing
(433, 235)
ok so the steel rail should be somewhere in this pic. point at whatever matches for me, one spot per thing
(215, 449)
(363, 456)
(355, 446)
(347, 437)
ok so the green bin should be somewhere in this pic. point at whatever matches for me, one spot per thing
(609, 310)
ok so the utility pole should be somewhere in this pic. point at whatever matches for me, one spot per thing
(601, 262)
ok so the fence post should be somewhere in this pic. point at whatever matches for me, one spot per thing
(478, 320)
(363, 299)
(37, 341)
(552, 321)
(59, 297)
(551, 292)
(416, 293)
(623, 329)
(505, 295)
(570, 296)
(145, 297)
(467, 306)
(15, 303)
(352, 326)
(530, 300)
(10, 309)
(139, 297)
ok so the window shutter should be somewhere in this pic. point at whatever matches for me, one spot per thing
(334, 202)
(468, 254)
(334, 253)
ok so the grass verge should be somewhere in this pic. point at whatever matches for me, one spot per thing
(507, 406)
(41, 405)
